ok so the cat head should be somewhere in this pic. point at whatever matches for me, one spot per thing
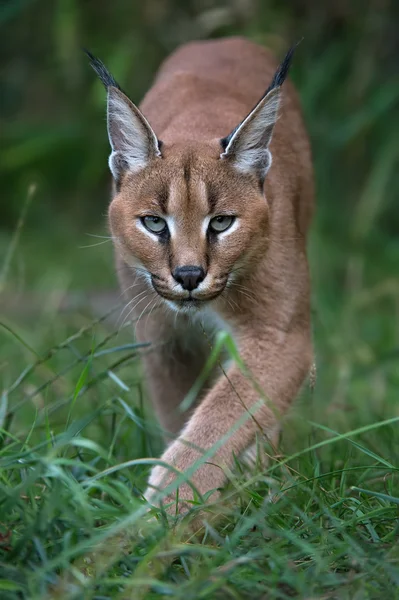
(190, 216)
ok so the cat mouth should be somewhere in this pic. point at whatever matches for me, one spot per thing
(189, 301)
(190, 304)
(186, 302)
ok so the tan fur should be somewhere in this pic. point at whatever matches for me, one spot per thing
(201, 93)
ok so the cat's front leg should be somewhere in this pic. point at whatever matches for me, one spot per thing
(226, 422)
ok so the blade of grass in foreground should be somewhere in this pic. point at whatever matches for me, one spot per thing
(370, 453)
(14, 241)
(376, 494)
(125, 523)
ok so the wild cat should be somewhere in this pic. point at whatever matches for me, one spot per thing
(213, 196)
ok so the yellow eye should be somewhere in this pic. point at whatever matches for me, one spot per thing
(154, 224)
(221, 223)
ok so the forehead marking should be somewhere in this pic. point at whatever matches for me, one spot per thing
(175, 203)
(211, 196)
(187, 169)
(163, 197)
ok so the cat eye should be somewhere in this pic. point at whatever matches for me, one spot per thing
(154, 224)
(221, 223)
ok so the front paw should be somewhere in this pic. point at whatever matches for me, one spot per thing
(164, 490)
(182, 487)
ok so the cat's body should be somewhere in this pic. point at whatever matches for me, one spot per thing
(234, 240)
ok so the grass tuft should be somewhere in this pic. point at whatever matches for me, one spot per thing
(77, 437)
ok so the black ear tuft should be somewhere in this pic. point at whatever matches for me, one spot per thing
(277, 81)
(102, 72)
(282, 71)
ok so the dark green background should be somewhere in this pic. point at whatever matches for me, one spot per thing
(53, 122)
(52, 107)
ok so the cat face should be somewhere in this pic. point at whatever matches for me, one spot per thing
(189, 215)
(190, 222)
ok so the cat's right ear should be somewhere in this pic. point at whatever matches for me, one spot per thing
(133, 141)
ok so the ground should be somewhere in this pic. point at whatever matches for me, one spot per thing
(77, 437)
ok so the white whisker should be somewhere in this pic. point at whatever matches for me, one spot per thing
(96, 244)
(141, 314)
(156, 305)
(104, 237)
(132, 309)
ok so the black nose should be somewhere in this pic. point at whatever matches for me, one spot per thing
(189, 277)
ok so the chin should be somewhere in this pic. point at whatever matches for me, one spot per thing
(188, 306)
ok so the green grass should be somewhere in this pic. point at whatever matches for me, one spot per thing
(320, 522)
(76, 429)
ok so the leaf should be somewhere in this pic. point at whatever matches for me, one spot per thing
(379, 495)
(19, 338)
(117, 380)
(357, 445)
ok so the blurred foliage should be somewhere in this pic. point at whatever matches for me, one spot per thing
(318, 537)
(52, 106)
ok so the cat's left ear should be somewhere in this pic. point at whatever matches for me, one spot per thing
(132, 139)
(247, 146)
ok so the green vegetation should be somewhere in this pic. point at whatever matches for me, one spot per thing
(75, 431)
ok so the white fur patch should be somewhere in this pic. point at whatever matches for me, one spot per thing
(205, 225)
(171, 223)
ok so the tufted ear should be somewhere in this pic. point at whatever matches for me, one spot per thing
(247, 146)
(133, 141)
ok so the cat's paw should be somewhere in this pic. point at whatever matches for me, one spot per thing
(176, 502)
